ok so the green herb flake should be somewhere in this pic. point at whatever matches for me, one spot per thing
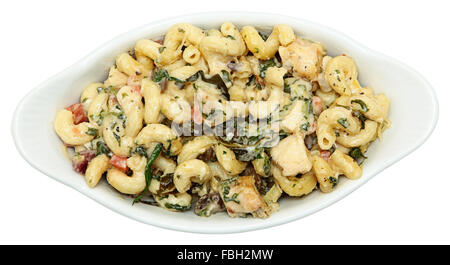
(141, 150)
(231, 37)
(102, 148)
(193, 77)
(204, 212)
(305, 126)
(287, 88)
(309, 107)
(357, 155)
(121, 116)
(158, 178)
(361, 103)
(168, 152)
(263, 36)
(333, 181)
(117, 138)
(343, 122)
(225, 76)
(258, 86)
(216, 80)
(233, 198)
(264, 66)
(92, 131)
(360, 117)
(251, 80)
(177, 81)
(148, 171)
(177, 207)
(160, 75)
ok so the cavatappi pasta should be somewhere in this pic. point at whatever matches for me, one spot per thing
(224, 120)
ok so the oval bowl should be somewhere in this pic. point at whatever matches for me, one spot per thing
(32, 125)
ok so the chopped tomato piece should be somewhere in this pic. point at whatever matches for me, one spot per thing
(312, 128)
(119, 162)
(112, 101)
(134, 84)
(260, 80)
(325, 154)
(79, 115)
(137, 89)
(81, 160)
(197, 114)
(79, 163)
(317, 105)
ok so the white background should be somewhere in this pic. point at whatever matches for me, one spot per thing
(407, 203)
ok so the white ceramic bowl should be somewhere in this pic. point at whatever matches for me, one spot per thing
(412, 100)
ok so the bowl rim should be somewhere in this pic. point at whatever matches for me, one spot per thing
(256, 225)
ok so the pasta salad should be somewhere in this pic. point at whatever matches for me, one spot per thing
(223, 120)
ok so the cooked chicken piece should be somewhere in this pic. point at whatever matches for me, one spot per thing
(291, 155)
(240, 196)
(304, 56)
